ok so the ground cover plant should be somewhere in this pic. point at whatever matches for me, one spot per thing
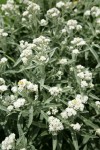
(49, 75)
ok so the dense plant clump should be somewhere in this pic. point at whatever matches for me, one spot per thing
(49, 75)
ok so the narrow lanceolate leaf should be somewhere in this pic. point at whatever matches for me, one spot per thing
(44, 115)
(3, 108)
(33, 148)
(30, 116)
(75, 141)
(88, 122)
(94, 96)
(54, 142)
(96, 56)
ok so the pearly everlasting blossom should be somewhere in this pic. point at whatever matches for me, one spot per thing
(76, 104)
(76, 126)
(8, 143)
(2, 33)
(54, 91)
(9, 6)
(25, 13)
(78, 41)
(3, 88)
(32, 87)
(55, 125)
(3, 60)
(42, 58)
(23, 149)
(82, 98)
(95, 11)
(14, 89)
(10, 108)
(22, 83)
(81, 75)
(32, 9)
(26, 51)
(97, 103)
(53, 110)
(98, 21)
(43, 22)
(75, 51)
(53, 13)
(98, 131)
(68, 112)
(79, 68)
(87, 13)
(63, 61)
(60, 4)
(19, 102)
(72, 24)
(41, 43)
(68, 5)
(78, 27)
(84, 84)
(87, 75)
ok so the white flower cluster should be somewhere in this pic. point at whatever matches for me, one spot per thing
(42, 58)
(53, 13)
(52, 111)
(95, 11)
(59, 74)
(26, 51)
(97, 103)
(8, 143)
(64, 5)
(14, 89)
(55, 91)
(68, 5)
(82, 98)
(85, 76)
(9, 99)
(68, 112)
(76, 126)
(98, 131)
(23, 149)
(63, 61)
(2, 33)
(9, 7)
(24, 84)
(3, 87)
(98, 21)
(41, 43)
(78, 102)
(78, 41)
(87, 13)
(60, 4)
(75, 51)
(3, 60)
(55, 125)
(73, 24)
(43, 22)
(31, 10)
(27, 2)
(20, 102)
